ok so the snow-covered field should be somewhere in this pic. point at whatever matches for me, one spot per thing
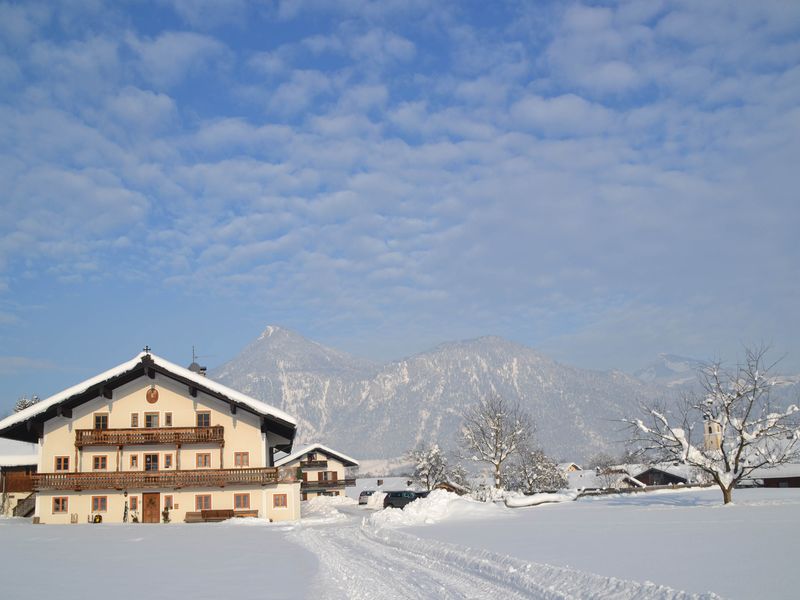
(684, 542)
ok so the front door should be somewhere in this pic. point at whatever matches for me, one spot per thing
(151, 508)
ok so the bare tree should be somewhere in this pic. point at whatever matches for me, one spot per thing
(740, 430)
(532, 471)
(493, 430)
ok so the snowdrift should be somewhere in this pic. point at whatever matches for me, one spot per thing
(438, 506)
(543, 498)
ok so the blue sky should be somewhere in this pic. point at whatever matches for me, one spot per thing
(602, 181)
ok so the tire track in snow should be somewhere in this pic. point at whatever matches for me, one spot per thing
(361, 567)
(366, 562)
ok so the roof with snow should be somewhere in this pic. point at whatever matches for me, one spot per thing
(778, 471)
(343, 458)
(26, 425)
(17, 460)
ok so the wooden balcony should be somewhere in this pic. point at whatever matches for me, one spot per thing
(313, 464)
(156, 435)
(123, 480)
(308, 485)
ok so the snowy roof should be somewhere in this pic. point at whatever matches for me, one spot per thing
(786, 470)
(144, 359)
(18, 460)
(564, 466)
(590, 479)
(317, 448)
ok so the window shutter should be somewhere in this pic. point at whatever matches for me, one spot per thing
(335, 476)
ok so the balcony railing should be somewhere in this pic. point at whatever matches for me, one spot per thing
(155, 435)
(312, 464)
(327, 484)
(123, 480)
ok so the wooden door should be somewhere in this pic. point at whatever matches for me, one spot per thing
(151, 507)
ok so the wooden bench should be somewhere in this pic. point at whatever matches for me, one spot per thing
(208, 516)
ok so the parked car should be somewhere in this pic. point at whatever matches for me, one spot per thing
(400, 499)
(364, 496)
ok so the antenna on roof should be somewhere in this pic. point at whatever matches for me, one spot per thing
(195, 366)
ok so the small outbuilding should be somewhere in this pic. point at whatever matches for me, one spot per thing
(656, 476)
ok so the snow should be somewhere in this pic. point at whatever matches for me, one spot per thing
(539, 499)
(656, 545)
(438, 506)
(135, 561)
(18, 460)
(684, 539)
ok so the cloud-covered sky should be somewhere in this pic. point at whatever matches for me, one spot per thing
(602, 181)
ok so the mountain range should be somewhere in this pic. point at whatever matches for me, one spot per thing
(373, 410)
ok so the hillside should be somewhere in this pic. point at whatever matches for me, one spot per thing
(381, 411)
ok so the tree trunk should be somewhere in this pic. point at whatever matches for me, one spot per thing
(727, 493)
(497, 481)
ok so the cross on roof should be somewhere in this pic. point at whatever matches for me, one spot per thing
(147, 349)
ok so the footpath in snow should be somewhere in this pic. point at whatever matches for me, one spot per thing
(371, 557)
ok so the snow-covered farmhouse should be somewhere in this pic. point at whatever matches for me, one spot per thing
(322, 470)
(152, 441)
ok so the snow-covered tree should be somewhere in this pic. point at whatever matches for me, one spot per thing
(532, 471)
(492, 431)
(430, 465)
(741, 431)
(24, 402)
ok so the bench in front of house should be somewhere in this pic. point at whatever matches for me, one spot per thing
(214, 516)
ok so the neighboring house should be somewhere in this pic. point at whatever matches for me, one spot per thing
(569, 467)
(322, 470)
(781, 476)
(16, 484)
(449, 486)
(599, 479)
(656, 476)
(149, 436)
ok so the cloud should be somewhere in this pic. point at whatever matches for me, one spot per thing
(563, 115)
(10, 365)
(167, 59)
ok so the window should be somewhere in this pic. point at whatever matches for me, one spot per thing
(99, 503)
(134, 461)
(100, 463)
(311, 456)
(60, 504)
(101, 421)
(203, 460)
(134, 419)
(151, 462)
(326, 476)
(168, 502)
(241, 459)
(241, 501)
(168, 461)
(204, 419)
(134, 503)
(202, 502)
(62, 463)
(167, 419)
(279, 501)
(151, 420)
